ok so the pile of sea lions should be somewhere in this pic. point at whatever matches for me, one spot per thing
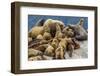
(51, 39)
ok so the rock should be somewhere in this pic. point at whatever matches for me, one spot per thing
(33, 58)
(45, 57)
(33, 52)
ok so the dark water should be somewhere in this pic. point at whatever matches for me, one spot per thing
(33, 19)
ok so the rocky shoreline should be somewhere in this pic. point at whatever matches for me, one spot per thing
(53, 40)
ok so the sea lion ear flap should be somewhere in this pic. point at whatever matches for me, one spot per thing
(40, 22)
(81, 22)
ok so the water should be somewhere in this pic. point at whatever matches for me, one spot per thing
(33, 19)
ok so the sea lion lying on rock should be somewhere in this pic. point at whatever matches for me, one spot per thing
(49, 51)
(54, 43)
(40, 37)
(33, 52)
(52, 26)
(42, 48)
(36, 43)
(63, 42)
(35, 58)
(59, 53)
(47, 36)
(35, 31)
(80, 32)
(68, 32)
